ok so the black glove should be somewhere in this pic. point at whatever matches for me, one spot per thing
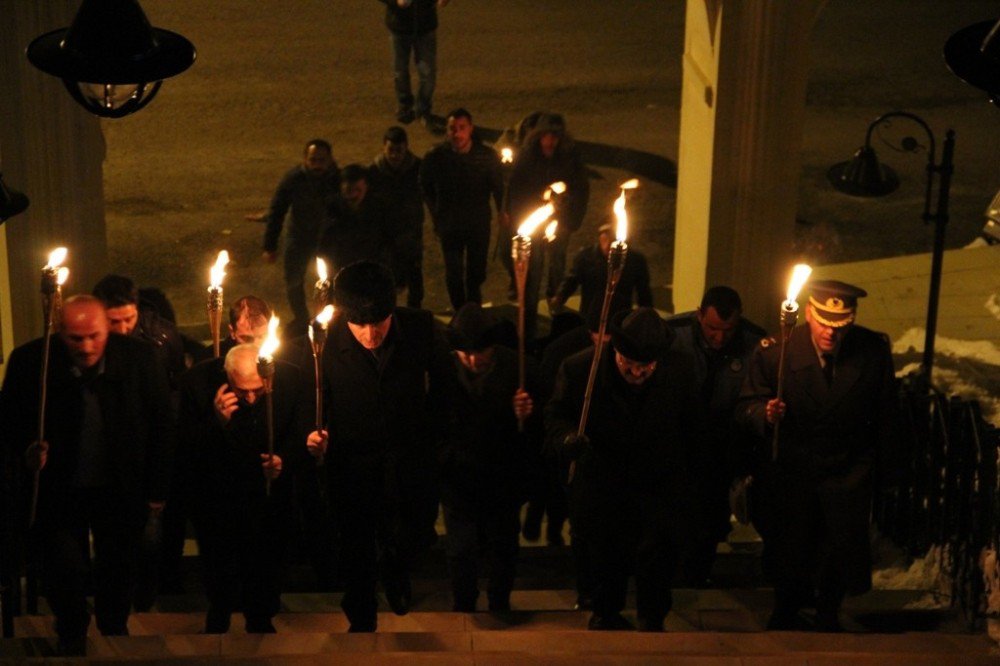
(575, 445)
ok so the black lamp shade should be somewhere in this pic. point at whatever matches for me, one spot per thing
(973, 55)
(12, 202)
(863, 175)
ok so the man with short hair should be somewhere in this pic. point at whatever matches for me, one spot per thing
(838, 440)
(630, 491)
(248, 318)
(305, 192)
(357, 223)
(719, 341)
(388, 383)
(458, 178)
(102, 467)
(395, 177)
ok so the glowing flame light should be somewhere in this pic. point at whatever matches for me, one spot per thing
(506, 156)
(621, 229)
(540, 215)
(56, 257)
(321, 269)
(271, 343)
(218, 271)
(555, 188)
(61, 276)
(630, 184)
(324, 317)
(550, 230)
(800, 274)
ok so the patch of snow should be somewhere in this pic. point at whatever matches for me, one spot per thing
(992, 305)
(984, 351)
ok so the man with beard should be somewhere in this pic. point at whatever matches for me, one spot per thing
(102, 468)
(240, 493)
(357, 226)
(838, 417)
(307, 191)
(388, 383)
(630, 491)
(395, 178)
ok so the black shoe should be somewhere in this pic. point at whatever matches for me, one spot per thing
(828, 623)
(72, 647)
(650, 624)
(405, 116)
(786, 621)
(260, 626)
(583, 603)
(362, 627)
(612, 622)
(398, 594)
(500, 605)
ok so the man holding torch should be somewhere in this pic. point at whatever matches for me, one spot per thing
(837, 440)
(630, 494)
(102, 465)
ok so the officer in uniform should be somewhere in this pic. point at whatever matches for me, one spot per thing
(719, 342)
(837, 441)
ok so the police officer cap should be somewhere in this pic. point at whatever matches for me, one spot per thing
(834, 303)
(364, 292)
(473, 328)
(640, 335)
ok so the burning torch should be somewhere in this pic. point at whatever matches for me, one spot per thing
(789, 317)
(321, 290)
(616, 262)
(317, 338)
(265, 369)
(216, 273)
(54, 275)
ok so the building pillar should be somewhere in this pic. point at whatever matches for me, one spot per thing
(742, 114)
(53, 151)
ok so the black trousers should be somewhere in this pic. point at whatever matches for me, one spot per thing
(494, 532)
(66, 564)
(465, 257)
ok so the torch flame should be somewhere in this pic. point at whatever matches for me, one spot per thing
(271, 342)
(61, 275)
(506, 156)
(321, 269)
(324, 317)
(540, 215)
(800, 274)
(218, 271)
(630, 184)
(555, 188)
(550, 230)
(621, 229)
(56, 257)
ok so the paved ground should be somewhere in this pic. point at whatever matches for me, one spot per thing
(181, 175)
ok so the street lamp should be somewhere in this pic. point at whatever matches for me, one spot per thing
(973, 55)
(864, 176)
(111, 60)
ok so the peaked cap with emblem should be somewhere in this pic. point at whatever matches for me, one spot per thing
(834, 303)
(640, 335)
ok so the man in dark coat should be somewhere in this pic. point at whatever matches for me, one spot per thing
(388, 382)
(413, 28)
(395, 177)
(719, 342)
(358, 224)
(103, 464)
(837, 434)
(630, 492)
(485, 460)
(306, 192)
(458, 178)
(240, 523)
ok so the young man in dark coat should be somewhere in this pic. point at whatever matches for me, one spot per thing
(358, 223)
(630, 492)
(719, 342)
(837, 441)
(394, 176)
(388, 382)
(458, 179)
(103, 464)
(241, 524)
(485, 460)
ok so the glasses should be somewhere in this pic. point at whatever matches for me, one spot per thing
(248, 396)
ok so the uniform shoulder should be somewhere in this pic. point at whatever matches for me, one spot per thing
(752, 329)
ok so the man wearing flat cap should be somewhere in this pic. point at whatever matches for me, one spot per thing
(837, 441)
(630, 493)
(387, 380)
(485, 460)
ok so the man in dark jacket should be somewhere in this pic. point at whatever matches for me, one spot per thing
(103, 463)
(589, 272)
(485, 461)
(719, 342)
(358, 223)
(837, 440)
(240, 523)
(458, 178)
(388, 383)
(395, 178)
(629, 497)
(413, 27)
(307, 191)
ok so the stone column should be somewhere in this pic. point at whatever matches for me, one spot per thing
(53, 151)
(742, 109)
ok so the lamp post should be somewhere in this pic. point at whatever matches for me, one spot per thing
(863, 176)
